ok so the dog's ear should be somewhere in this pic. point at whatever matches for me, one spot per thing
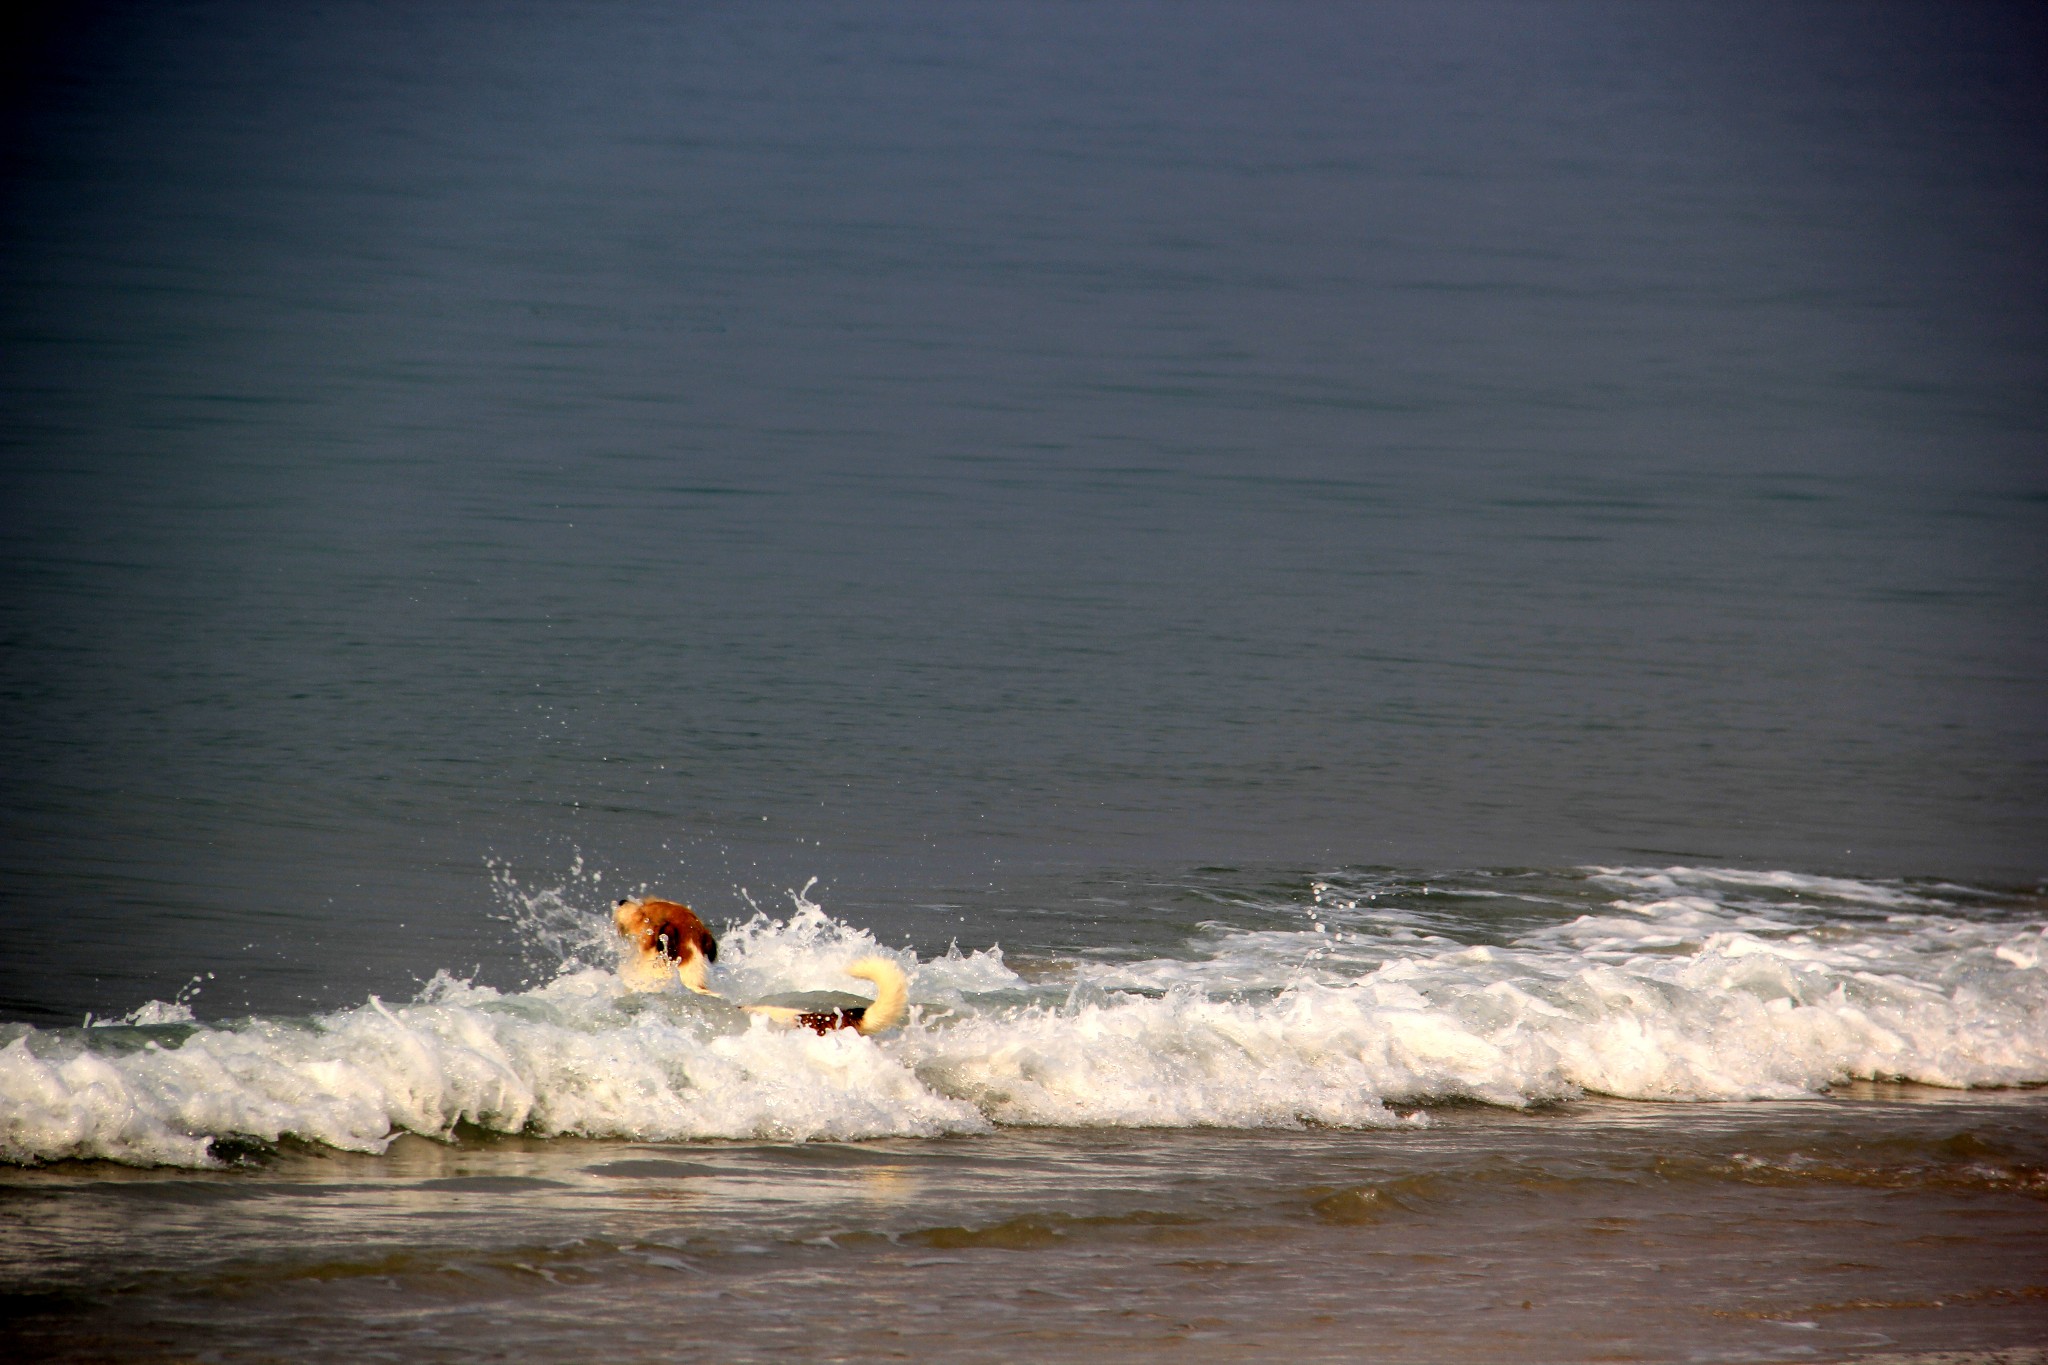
(626, 916)
(708, 944)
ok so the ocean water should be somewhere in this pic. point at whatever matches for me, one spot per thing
(1422, 625)
(1785, 1116)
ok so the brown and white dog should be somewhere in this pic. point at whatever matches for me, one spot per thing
(667, 935)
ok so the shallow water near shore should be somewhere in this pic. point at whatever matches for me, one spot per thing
(1878, 1219)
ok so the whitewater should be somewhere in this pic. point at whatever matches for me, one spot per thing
(1359, 1008)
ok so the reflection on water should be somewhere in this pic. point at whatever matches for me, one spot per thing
(1882, 1217)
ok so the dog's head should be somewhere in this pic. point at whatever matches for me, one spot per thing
(668, 928)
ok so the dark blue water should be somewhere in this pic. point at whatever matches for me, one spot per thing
(973, 455)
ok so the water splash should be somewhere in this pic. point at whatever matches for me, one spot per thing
(1681, 984)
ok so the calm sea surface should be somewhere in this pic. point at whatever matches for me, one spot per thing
(1423, 624)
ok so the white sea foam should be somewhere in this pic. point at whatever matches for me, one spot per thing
(1688, 985)
(578, 1056)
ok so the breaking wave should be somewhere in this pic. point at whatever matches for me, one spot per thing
(1359, 1011)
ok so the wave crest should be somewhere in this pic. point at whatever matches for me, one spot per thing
(1678, 990)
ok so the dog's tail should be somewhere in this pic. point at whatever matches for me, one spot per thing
(892, 994)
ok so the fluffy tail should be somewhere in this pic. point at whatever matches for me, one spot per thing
(892, 994)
